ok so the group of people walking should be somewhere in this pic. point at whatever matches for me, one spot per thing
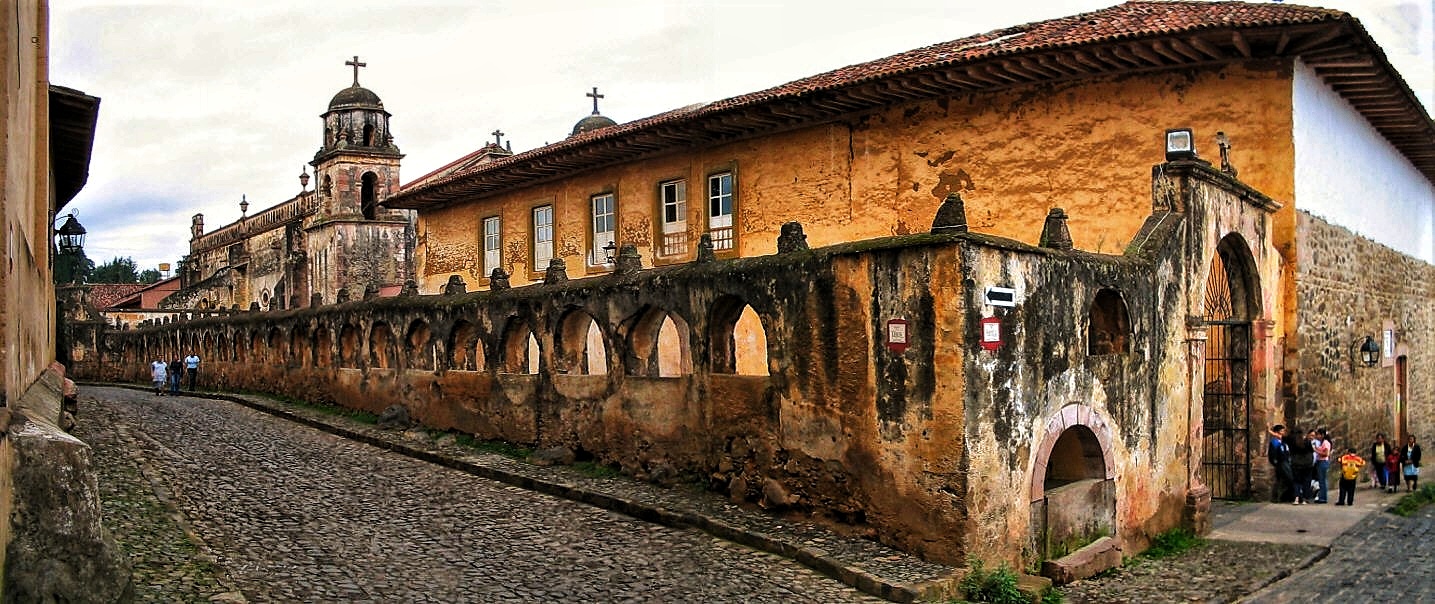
(167, 376)
(1302, 466)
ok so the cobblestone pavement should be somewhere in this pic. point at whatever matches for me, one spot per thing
(1216, 571)
(292, 514)
(1383, 558)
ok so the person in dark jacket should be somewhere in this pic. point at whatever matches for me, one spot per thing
(1279, 455)
(1379, 450)
(1410, 463)
(1302, 460)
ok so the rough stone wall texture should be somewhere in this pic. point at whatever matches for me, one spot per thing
(1350, 287)
(1013, 154)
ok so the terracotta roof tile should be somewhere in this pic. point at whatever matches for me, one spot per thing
(1132, 20)
(105, 295)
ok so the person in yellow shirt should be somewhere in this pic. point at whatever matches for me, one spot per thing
(1350, 465)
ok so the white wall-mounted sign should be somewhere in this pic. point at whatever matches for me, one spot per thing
(1000, 296)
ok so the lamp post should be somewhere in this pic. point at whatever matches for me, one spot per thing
(610, 251)
(243, 205)
(70, 244)
(304, 180)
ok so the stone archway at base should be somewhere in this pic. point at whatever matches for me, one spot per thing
(1073, 493)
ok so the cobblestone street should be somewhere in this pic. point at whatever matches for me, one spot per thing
(292, 514)
(1383, 558)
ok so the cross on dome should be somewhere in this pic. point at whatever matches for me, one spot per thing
(357, 65)
(595, 97)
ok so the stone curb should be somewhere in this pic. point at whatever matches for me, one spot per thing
(810, 557)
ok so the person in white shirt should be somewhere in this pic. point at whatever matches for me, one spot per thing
(191, 369)
(159, 372)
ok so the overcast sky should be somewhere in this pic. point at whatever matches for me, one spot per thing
(203, 102)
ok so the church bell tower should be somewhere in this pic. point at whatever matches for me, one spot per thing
(354, 242)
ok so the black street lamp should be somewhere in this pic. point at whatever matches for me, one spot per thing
(70, 237)
(1369, 351)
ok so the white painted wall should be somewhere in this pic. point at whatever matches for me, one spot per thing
(1346, 173)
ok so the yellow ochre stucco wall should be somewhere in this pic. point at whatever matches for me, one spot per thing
(1086, 146)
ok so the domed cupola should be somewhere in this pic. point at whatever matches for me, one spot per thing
(595, 121)
(356, 122)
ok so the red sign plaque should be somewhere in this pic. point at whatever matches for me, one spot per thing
(897, 335)
(991, 333)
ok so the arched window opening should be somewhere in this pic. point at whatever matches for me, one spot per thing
(1108, 330)
(368, 135)
(368, 196)
(419, 346)
(298, 348)
(275, 354)
(349, 347)
(658, 345)
(323, 347)
(737, 339)
(1075, 456)
(520, 349)
(1232, 301)
(465, 350)
(256, 347)
(580, 347)
(381, 346)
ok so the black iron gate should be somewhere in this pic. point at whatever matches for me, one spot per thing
(1226, 405)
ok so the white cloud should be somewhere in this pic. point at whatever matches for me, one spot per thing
(205, 102)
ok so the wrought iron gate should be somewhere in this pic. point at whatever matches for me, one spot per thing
(1226, 405)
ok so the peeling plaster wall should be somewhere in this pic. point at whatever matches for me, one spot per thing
(1012, 154)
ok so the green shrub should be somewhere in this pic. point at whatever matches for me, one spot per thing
(997, 586)
(593, 469)
(1412, 502)
(1172, 543)
(1052, 595)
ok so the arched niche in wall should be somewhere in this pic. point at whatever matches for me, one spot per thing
(419, 346)
(1108, 327)
(465, 349)
(658, 344)
(736, 338)
(579, 346)
(519, 347)
(381, 346)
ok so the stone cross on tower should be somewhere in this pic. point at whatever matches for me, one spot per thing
(357, 65)
(1224, 143)
(497, 137)
(595, 97)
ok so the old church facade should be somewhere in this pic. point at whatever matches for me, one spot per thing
(1013, 337)
(323, 245)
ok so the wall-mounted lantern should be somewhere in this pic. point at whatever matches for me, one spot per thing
(304, 180)
(610, 251)
(1368, 352)
(1180, 144)
(70, 237)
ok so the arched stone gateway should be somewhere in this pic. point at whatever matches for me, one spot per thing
(1073, 495)
(1232, 302)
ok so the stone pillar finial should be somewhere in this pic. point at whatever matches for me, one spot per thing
(343, 295)
(411, 289)
(1054, 234)
(371, 291)
(629, 261)
(951, 216)
(316, 300)
(791, 239)
(705, 248)
(498, 280)
(455, 286)
(254, 306)
(557, 272)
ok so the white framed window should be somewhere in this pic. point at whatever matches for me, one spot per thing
(542, 237)
(604, 224)
(492, 242)
(673, 196)
(720, 210)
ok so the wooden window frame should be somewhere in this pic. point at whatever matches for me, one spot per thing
(536, 272)
(593, 259)
(661, 231)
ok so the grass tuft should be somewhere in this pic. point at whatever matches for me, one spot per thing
(1412, 502)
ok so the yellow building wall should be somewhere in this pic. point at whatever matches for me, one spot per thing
(28, 321)
(1085, 146)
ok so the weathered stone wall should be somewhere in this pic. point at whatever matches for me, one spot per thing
(1350, 287)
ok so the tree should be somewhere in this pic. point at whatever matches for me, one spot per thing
(73, 268)
(149, 275)
(118, 270)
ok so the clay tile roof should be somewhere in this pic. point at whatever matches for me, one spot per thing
(105, 295)
(874, 83)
